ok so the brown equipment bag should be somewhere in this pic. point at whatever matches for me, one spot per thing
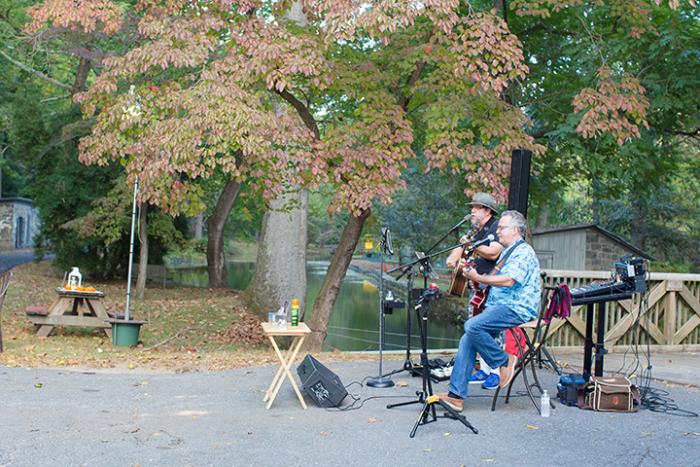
(611, 394)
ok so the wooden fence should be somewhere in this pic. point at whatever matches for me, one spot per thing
(669, 318)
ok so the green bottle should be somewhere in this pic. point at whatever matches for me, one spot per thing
(295, 312)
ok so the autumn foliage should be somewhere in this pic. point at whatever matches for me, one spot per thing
(321, 92)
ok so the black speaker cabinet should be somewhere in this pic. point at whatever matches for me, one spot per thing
(320, 383)
(519, 180)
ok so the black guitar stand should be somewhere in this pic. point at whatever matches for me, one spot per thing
(426, 396)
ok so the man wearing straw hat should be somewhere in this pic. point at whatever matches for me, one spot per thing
(484, 212)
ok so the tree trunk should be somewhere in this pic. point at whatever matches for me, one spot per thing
(198, 229)
(216, 264)
(280, 268)
(542, 214)
(321, 313)
(143, 251)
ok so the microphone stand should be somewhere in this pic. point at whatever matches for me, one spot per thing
(425, 397)
(426, 269)
(381, 381)
(455, 227)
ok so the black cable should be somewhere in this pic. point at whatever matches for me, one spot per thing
(653, 399)
(356, 398)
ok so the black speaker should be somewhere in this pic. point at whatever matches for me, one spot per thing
(320, 383)
(519, 180)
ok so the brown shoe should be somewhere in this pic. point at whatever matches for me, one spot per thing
(454, 404)
(508, 371)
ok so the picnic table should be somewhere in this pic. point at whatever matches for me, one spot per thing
(74, 308)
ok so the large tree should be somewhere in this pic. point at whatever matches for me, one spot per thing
(358, 80)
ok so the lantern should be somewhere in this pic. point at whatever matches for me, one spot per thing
(75, 279)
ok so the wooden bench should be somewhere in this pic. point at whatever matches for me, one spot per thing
(37, 310)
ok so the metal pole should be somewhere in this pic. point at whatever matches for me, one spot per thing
(131, 252)
(381, 381)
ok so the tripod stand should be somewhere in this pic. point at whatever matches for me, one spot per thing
(426, 270)
(426, 396)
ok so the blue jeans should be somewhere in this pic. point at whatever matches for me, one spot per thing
(479, 336)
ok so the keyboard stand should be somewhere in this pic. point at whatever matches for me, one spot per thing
(600, 351)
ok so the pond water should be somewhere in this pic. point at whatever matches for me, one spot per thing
(354, 323)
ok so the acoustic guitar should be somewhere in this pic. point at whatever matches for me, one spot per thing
(459, 283)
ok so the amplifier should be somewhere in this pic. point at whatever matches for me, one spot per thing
(320, 383)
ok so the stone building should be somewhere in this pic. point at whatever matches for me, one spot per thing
(19, 223)
(585, 247)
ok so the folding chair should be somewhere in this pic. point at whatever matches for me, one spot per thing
(531, 355)
(4, 285)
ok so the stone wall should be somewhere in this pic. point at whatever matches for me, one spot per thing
(18, 216)
(30, 221)
(6, 239)
(602, 252)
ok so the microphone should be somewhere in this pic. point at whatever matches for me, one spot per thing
(486, 241)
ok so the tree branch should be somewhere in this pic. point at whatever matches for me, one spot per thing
(302, 110)
(34, 72)
(412, 80)
(692, 134)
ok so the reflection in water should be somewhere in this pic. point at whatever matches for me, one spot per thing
(354, 322)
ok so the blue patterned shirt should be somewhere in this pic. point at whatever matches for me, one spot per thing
(523, 297)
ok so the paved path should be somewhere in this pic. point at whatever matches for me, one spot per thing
(8, 260)
(62, 418)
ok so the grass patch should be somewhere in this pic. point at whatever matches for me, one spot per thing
(197, 317)
(188, 331)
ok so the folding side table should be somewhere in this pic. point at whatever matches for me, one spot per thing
(298, 333)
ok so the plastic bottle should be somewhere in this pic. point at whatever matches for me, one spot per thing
(544, 404)
(295, 312)
(282, 315)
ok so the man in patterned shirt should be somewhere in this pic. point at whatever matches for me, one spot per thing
(513, 299)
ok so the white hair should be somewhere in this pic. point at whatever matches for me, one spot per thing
(517, 220)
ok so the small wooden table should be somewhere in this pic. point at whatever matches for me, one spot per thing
(74, 308)
(299, 333)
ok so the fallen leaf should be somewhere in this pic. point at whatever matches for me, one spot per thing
(38, 385)
(647, 433)
(447, 433)
(533, 427)
(372, 420)
(488, 460)
(401, 383)
(427, 450)
(325, 433)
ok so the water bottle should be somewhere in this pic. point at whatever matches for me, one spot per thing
(282, 315)
(544, 404)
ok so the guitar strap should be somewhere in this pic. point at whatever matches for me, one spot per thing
(503, 260)
(487, 289)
